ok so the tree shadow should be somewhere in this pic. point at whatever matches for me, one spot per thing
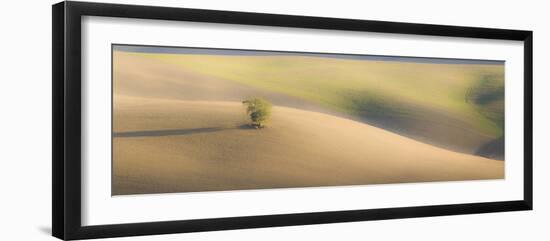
(176, 132)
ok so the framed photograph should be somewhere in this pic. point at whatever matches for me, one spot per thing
(169, 120)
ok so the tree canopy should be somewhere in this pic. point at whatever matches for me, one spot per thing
(259, 110)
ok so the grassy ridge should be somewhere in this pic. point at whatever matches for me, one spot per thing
(416, 94)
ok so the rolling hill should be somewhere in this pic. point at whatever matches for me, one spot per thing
(455, 106)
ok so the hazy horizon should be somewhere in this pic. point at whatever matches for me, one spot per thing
(241, 52)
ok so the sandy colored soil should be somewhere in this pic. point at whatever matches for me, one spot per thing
(162, 146)
(136, 75)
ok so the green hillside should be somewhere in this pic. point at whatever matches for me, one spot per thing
(435, 103)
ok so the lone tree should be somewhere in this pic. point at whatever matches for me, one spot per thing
(259, 111)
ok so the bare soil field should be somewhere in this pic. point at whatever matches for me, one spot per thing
(163, 146)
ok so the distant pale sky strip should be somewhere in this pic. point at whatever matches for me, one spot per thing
(238, 52)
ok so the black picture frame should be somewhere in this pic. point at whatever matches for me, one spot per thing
(66, 159)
